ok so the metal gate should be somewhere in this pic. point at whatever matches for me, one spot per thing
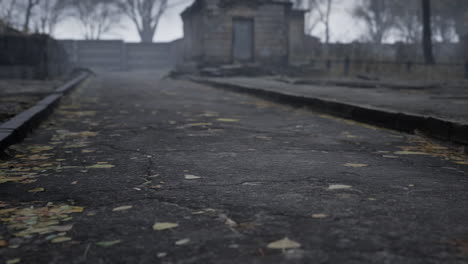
(243, 40)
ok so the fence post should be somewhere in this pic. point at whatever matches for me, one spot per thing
(409, 65)
(346, 66)
(466, 69)
(328, 62)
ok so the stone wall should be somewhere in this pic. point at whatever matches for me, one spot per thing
(297, 41)
(398, 52)
(32, 57)
(116, 55)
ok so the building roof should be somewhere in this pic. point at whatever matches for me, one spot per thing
(198, 4)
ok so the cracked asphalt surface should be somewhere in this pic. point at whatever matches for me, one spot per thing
(346, 192)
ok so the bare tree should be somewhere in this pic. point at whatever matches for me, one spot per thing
(319, 14)
(427, 32)
(378, 17)
(8, 9)
(97, 17)
(49, 14)
(29, 6)
(408, 20)
(145, 15)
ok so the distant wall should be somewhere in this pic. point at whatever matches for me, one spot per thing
(114, 55)
(32, 57)
(398, 52)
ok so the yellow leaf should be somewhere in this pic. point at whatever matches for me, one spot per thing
(462, 162)
(339, 187)
(7, 211)
(122, 208)
(76, 209)
(227, 120)
(100, 166)
(108, 243)
(356, 165)
(199, 124)
(411, 153)
(13, 261)
(60, 239)
(284, 243)
(37, 190)
(320, 216)
(191, 177)
(164, 226)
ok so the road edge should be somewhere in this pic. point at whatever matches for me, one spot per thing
(17, 128)
(434, 127)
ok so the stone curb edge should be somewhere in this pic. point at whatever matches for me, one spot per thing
(430, 126)
(16, 129)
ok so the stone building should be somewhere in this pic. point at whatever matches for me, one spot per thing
(265, 32)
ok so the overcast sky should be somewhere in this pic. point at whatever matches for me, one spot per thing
(344, 29)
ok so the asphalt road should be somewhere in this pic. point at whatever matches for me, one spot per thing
(137, 169)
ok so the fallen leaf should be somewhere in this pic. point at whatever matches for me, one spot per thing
(462, 162)
(77, 209)
(60, 239)
(108, 243)
(320, 216)
(64, 228)
(164, 226)
(356, 165)
(199, 124)
(74, 183)
(411, 153)
(227, 120)
(3, 243)
(100, 166)
(191, 177)
(462, 246)
(13, 261)
(162, 254)
(182, 242)
(7, 211)
(284, 243)
(37, 190)
(122, 208)
(339, 187)
(228, 221)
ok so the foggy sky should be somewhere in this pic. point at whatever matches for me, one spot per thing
(344, 28)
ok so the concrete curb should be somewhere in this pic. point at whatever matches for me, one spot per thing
(446, 130)
(16, 129)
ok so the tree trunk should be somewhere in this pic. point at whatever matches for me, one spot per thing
(427, 32)
(27, 16)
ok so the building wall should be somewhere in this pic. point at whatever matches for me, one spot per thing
(215, 25)
(297, 42)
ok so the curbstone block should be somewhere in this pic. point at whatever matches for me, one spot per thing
(409, 123)
(17, 128)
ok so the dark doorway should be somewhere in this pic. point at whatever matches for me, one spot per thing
(243, 40)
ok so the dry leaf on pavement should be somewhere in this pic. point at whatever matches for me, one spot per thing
(164, 226)
(122, 208)
(191, 177)
(339, 187)
(284, 243)
(356, 165)
(108, 243)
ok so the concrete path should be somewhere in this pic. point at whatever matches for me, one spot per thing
(135, 169)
